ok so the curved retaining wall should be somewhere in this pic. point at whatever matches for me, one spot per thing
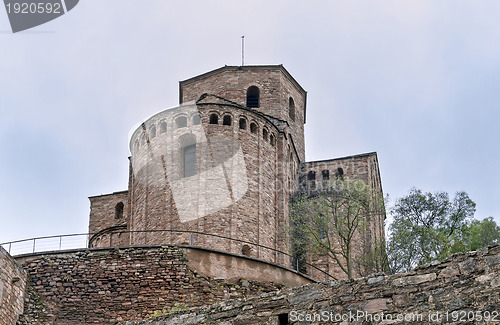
(106, 286)
(463, 289)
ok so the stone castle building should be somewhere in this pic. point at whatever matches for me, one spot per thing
(225, 162)
(217, 174)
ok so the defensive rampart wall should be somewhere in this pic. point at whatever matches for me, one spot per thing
(463, 289)
(105, 286)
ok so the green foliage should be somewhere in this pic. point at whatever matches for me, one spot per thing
(331, 221)
(374, 260)
(158, 313)
(483, 233)
(428, 227)
(177, 307)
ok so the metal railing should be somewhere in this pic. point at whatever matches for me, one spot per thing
(205, 240)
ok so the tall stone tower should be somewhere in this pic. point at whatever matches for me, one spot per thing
(224, 162)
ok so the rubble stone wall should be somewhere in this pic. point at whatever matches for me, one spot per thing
(105, 286)
(463, 289)
(12, 285)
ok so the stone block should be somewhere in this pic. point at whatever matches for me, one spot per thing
(415, 279)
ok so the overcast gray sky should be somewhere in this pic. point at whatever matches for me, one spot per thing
(416, 81)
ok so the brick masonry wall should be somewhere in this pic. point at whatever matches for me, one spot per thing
(12, 285)
(463, 289)
(110, 285)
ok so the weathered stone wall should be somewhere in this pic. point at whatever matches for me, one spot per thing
(463, 289)
(363, 167)
(103, 211)
(12, 286)
(105, 220)
(105, 286)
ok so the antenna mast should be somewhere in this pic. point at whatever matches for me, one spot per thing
(242, 50)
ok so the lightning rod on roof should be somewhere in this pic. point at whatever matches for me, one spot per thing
(242, 50)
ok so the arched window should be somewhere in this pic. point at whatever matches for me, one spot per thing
(196, 119)
(163, 127)
(214, 119)
(189, 160)
(246, 250)
(253, 127)
(226, 120)
(272, 140)
(152, 132)
(265, 134)
(311, 177)
(243, 124)
(119, 210)
(181, 122)
(291, 109)
(253, 94)
(326, 177)
(339, 173)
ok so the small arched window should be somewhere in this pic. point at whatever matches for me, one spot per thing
(339, 173)
(226, 120)
(243, 124)
(163, 127)
(119, 210)
(196, 119)
(311, 177)
(291, 109)
(181, 122)
(214, 119)
(326, 174)
(246, 250)
(253, 94)
(265, 134)
(253, 128)
(152, 132)
(272, 139)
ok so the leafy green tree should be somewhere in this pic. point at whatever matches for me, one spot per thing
(428, 227)
(333, 221)
(483, 233)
